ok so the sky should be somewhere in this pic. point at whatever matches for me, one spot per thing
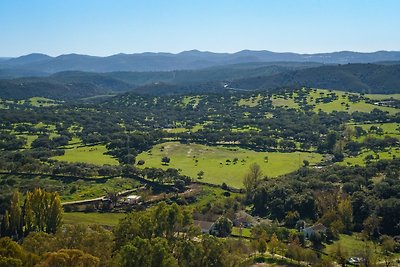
(106, 27)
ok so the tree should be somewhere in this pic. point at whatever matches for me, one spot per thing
(28, 218)
(165, 160)
(346, 213)
(262, 246)
(54, 215)
(5, 224)
(388, 247)
(200, 175)
(274, 244)
(291, 218)
(68, 258)
(222, 227)
(12, 254)
(15, 215)
(251, 180)
(136, 253)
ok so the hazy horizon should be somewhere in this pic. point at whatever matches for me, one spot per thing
(202, 51)
(104, 27)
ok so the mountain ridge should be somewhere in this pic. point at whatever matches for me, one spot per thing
(185, 60)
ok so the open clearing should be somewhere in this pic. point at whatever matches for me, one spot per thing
(106, 219)
(217, 163)
(342, 102)
(360, 159)
(88, 154)
(350, 243)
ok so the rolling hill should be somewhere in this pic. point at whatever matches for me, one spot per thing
(365, 78)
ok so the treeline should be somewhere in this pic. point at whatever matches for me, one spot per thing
(41, 211)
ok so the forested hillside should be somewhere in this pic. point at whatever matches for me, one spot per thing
(365, 78)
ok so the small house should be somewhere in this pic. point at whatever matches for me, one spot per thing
(205, 226)
(132, 199)
(316, 228)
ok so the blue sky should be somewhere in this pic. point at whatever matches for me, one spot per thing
(105, 27)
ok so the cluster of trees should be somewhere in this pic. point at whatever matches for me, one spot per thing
(330, 196)
(164, 236)
(41, 211)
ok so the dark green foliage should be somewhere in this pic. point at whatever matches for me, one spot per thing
(363, 78)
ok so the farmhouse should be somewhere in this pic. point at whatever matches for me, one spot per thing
(316, 228)
(205, 226)
(132, 199)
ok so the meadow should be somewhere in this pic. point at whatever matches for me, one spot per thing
(342, 102)
(89, 154)
(218, 163)
(360, 158)
(105, 219)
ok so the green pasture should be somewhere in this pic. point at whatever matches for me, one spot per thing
(191, 100)
(246, 128)
(388, 128)
(88, 154)
(340, 104)
(107, 219)
(279, 101)
(29, 139)
(360, 159)
(383, 96)
(251, 102)
(83, 189)
(217, 163)
(42, 102)
(245, 232)
(353, 244)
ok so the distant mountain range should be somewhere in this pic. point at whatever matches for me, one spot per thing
(42, 65)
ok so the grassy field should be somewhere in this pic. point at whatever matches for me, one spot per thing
(350, 243)
(340, 104)
(246, 128)
(191, 100)
(214, 161)
(251, 102)
(246, 232)
(88, 154)
(107, 219)
(29, 139)
(42, 102)
(382, 96)
(359, 159)
(281, 102)
(80, 190)
(388, 128)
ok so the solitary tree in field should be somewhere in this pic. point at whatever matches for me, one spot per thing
(165, 160)
(200, 175)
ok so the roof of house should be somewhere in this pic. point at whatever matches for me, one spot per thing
(317, 227)
(204, 225)
(133, 197)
